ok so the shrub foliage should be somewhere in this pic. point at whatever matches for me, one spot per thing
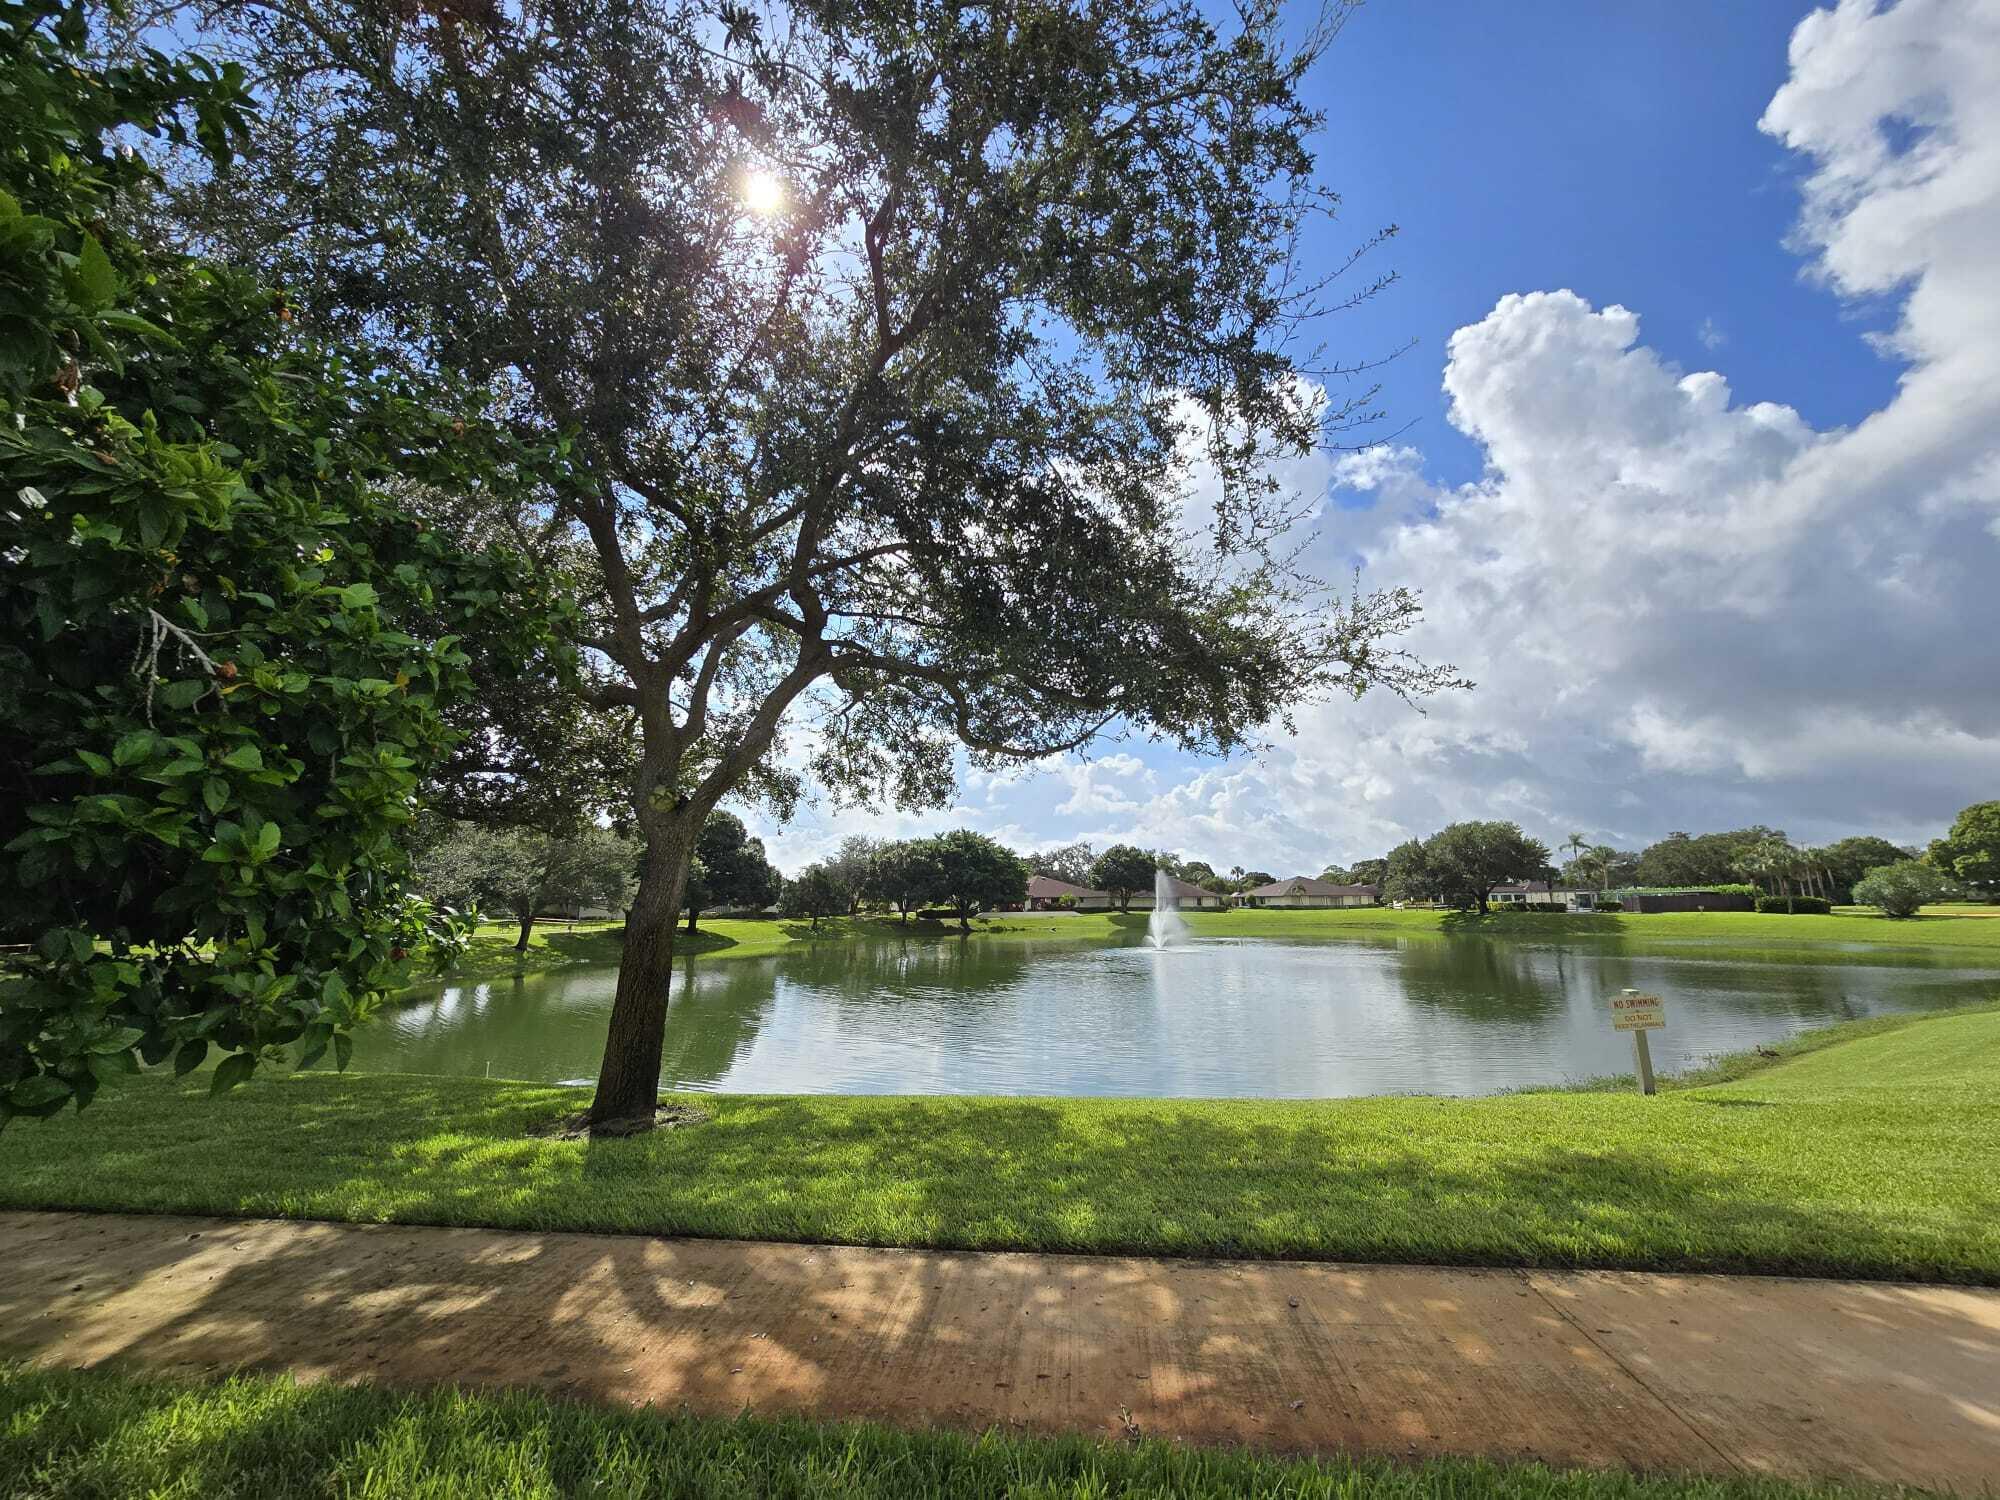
(1800, 906)
(227, 654)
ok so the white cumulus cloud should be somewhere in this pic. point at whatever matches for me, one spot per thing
(1682, 610)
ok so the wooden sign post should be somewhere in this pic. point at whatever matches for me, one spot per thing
(1639, 1014)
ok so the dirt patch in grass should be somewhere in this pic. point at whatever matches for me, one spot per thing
(576, 1127)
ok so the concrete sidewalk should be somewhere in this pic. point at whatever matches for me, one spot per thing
(1881, 1381)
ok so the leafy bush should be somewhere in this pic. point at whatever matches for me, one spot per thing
(1803, 906)
(226, 658)
(1901, 888)
(1611, 906)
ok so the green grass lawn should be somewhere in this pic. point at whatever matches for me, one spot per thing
(1964, 935)
(66, 1435)
(1877, 1155)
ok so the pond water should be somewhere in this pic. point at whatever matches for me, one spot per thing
(1246, 1017)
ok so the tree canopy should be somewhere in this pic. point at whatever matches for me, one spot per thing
(729, 868)
(850, 865)
(1406, 873)
(525, 872)
(1682, 859)
(1069, 863)
(1122, 871)
(905, 874)
(1847, 860)
(814, 893)
(1462, 862)
(904, 443)
(976, 873)
(1970, 852)
(230, 657)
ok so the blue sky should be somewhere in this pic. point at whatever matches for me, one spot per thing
(1697, 453)
(1611, 149)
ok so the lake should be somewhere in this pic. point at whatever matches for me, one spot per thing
(1244, 1017)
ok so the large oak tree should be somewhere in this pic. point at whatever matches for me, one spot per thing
(886, 334)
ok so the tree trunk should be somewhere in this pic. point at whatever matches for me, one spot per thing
(527, 927)
(692, 914)
(628, 1083)
(965, 919)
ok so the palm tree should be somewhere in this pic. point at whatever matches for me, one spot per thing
(1772, 859)
(1603, 854)
(1576, 844)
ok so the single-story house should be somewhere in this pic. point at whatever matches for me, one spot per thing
(1303, 890)
(1046, 893)
(1187, 894)
(1540, 892)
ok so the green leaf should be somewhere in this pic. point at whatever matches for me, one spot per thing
(135, 747)
(267, 839)
(215, 794)
(94, 762)
(109, 1067)
(155, 521)
(183, 694)
(126, 322)
(189, 1057)
(119, 1041)
(94, 282)
(232, 1070)
(33, 1093)
(358, 596)
(343, 1049)
(244, 758)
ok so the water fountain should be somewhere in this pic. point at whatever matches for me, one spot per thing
(1165, 927)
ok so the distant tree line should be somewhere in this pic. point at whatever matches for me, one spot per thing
(1459, 865)
(554, 857)
(1863, 869)
(962, 871)
(1123, 870)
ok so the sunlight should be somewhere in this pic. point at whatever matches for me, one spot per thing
(763, 192)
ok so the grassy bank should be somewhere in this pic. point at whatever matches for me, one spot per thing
(1877, 1155)
(1962, 935)
(67, 1434)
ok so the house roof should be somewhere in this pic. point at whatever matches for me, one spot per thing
(1306, 885)
(1187, 890)
(1048, 888)
(1535, 888)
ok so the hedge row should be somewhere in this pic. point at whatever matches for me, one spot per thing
(1803, 906)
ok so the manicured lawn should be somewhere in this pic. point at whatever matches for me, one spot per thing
(1878, 1155)
(68, 1434)
(1963, 935)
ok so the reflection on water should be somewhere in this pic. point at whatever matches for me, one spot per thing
(1244, 1017)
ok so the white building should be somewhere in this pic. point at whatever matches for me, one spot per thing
(1541, 891)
